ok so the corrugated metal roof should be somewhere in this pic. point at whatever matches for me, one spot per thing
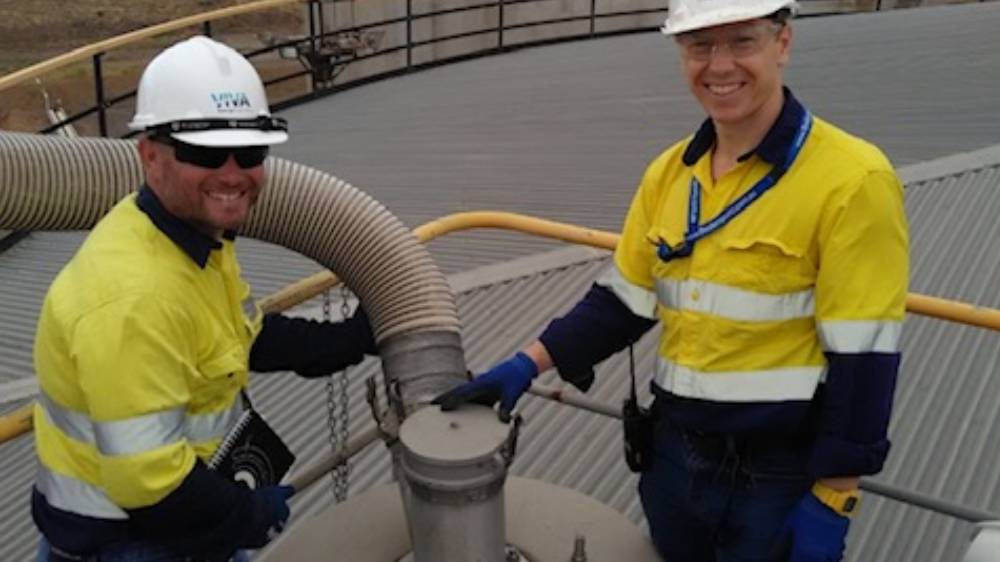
(18, 537)
(26, 270)
(948, 396)
(563, 132)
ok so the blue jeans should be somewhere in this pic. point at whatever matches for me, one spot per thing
(718, 499)
(122, 552)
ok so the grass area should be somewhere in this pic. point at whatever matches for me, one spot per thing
(32, 32)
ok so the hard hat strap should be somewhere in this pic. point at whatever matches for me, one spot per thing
(262, 123)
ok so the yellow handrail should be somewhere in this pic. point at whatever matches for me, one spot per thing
(19, 421)
(305, 289)
(88, 51)
(313, 285)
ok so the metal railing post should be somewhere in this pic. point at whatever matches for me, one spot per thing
(500, 25)
(312, 41)
(102, 118)
(593, 16)
(878, 6)
(409, 34)
(321, 17)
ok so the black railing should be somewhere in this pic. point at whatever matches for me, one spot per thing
(323, 60)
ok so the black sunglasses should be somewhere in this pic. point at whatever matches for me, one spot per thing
(214, 157)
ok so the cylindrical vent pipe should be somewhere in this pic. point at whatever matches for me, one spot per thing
(455, 464)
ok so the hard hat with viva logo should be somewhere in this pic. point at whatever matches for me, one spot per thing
(202, 92)
(689, 15)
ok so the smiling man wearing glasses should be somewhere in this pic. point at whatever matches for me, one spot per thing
(147, 336)
(771, 247)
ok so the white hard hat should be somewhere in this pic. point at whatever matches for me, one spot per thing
(203, 92)
(688, 15)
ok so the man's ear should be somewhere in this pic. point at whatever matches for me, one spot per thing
(151, 157)
(785, 45)
(146, 149)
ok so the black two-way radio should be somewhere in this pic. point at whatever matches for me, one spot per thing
(638, 425)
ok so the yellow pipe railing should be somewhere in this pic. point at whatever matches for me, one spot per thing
(16, 423)
(316, 284)
(943, 309)
(19, 421)
(88, 51)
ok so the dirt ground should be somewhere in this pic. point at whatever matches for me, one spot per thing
(32, 31)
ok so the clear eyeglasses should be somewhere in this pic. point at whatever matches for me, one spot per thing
(740, 41)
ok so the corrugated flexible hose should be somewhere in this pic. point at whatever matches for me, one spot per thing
(53, 183)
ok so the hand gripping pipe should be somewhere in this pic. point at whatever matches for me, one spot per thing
(50, 183)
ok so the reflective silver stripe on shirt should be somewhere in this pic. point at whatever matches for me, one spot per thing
(858, 336)
(75, 496)
(772, 385)
(140, 433)
(206, 427)
(733, 303)
(75, 425)
(641, 301)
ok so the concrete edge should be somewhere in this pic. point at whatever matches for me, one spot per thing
(524, 267)
(952, 165)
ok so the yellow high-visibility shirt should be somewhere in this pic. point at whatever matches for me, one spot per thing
(141, 355)
(818, 263)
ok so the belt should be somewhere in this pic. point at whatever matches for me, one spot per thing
(718, 446)
(57, 555)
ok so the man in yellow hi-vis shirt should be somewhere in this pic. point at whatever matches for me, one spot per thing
(146, 337)
(772, 248)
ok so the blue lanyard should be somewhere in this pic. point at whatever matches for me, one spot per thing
(696, 231)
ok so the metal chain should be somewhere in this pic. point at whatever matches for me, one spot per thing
(337, 404)
(344, 470)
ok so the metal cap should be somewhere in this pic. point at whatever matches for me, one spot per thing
(468, 435)
(455, 451)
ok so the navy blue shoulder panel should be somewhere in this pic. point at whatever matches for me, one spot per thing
(597, 327)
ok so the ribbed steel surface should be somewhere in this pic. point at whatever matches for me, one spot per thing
(26, 270)
(564, 132)
(18, 537)
(947, 407)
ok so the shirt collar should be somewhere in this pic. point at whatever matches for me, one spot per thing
(772, 149)
(194, 243)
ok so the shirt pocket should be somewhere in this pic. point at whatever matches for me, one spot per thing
(228, 366)
(216, 390)
(765, 264)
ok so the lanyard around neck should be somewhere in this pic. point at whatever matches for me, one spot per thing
(697, 231)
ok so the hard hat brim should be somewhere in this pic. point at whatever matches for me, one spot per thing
(232, 137)
(693, 24)
(725, 16)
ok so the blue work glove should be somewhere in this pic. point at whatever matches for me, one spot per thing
(505, 383)
(274, 501)
(814, 533)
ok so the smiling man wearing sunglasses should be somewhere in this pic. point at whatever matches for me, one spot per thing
(146, 338)
(771, 247)
(211, 188)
